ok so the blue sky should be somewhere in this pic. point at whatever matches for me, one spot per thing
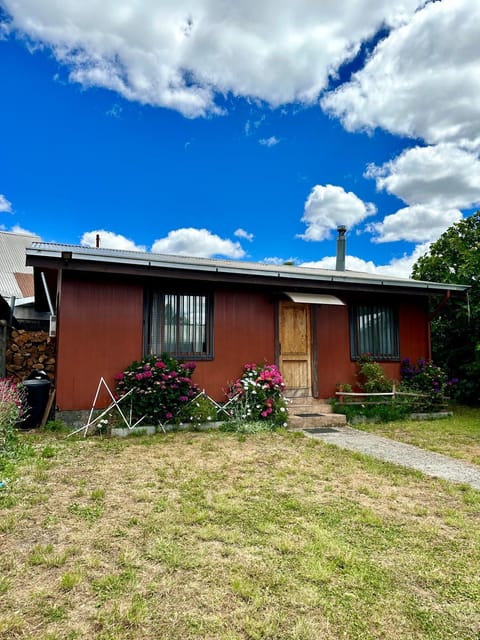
(203, 130)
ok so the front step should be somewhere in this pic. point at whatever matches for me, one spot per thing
(310, 413)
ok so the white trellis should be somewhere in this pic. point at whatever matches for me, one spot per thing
(127, 419)
(114, 405)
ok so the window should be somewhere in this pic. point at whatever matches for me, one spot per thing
(179, 324)
(374, 330)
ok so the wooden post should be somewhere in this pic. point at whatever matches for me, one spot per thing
(340, 388)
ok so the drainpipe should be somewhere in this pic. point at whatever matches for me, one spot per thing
(341, 248)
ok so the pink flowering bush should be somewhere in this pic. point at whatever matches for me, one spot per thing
(161, 387)
(13, 408)
(258, 395)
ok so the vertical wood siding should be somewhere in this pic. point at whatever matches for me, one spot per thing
(244, 332)
(100, 330)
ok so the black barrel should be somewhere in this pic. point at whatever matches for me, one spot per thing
(38, 388)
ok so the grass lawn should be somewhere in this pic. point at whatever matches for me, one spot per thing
(458, 436)
(226, 537)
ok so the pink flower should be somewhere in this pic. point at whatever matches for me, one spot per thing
(119, 376)
(169, 415)
(139, 376)
(160, 365)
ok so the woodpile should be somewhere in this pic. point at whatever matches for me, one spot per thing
(29, 350)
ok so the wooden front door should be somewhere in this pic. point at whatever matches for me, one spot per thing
(295, 348)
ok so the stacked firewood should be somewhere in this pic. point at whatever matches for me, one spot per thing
(29, 350)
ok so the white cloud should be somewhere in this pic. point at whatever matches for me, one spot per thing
(178, 54)
(414, 224)
(269, 142)
(197, 242)
(23, 232)
(109, 240)
(422, 81)
(241, 233)
(5, 205)
(329, 206)
(441, 176)
(397, 267)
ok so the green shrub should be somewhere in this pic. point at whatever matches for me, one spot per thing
(161, 386)
(427, 379)
(372, 377)
(257, 396)
(198, 410)
(13, 408)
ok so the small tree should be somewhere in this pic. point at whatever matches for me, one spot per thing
(455, 258)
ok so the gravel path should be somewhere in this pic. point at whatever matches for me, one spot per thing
(430, 463)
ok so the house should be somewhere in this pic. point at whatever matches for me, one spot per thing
(16, 282)
(114, 307)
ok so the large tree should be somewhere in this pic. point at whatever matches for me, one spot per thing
(455, 258)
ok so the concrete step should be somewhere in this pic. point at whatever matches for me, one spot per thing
(310, 413)
(305, 423)
(308, 405)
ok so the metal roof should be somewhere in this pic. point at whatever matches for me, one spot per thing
(12, 262)
(227, 267)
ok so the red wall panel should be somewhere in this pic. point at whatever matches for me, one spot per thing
(244, 332)
(333, 344)
(99, 333)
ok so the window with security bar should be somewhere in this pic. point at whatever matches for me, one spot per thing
(374, 331)
(180, 325)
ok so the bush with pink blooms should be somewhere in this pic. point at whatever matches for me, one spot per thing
(161, 387)
(13, 407)
(258, 395)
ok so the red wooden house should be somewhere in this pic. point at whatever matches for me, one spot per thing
(114, 307)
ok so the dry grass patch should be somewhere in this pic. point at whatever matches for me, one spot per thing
(223, 537)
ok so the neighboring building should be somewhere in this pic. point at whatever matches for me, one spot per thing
(114, 307)
(16, 281)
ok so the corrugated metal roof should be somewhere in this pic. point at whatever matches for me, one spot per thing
(140, 258)
(12, 261)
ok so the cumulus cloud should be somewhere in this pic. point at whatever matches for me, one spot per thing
(422, 81)
(197, 242)
(5, 205)
(269, 142)
(109, 240)
(416, 223)
(24, 232)
(180, 55)
(241, 233)
(442, 175)
(398, 267)
(329, 206)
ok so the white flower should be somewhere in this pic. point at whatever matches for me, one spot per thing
(282, 408)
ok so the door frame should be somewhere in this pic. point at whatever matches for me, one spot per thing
(312, 308)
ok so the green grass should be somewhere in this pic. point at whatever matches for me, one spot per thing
(221, 537)
(457, 436)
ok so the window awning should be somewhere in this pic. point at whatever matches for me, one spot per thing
(314, 298)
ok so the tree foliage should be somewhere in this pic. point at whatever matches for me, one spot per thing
(455, 258)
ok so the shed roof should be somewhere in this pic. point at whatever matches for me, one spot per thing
(135, 262)
(16, 279)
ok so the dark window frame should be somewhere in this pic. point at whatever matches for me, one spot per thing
(159, 297)
(379, 325)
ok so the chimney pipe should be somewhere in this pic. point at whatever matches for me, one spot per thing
(97, 241)
(341, 247)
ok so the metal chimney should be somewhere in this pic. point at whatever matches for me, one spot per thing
(341, 248)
